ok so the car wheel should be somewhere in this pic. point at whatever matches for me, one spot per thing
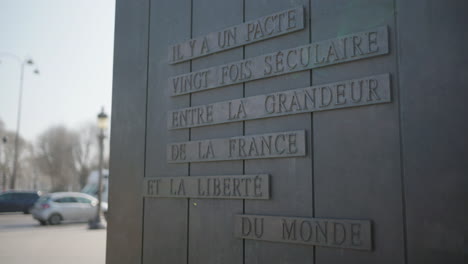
(42, 222)
(55, 219)
(27, 211)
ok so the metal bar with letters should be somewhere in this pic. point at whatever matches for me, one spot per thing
(272, 145)
(338, 233)
(214, 187)
(342, 49)
(262, 28)
(350, 93)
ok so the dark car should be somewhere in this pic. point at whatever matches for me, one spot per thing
(18, 201)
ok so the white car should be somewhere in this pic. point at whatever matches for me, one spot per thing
(54, 208)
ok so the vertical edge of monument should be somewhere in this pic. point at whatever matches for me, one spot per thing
(128, 141)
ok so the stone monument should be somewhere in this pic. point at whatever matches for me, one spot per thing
(322, 131)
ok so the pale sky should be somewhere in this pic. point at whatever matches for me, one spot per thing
(71, 42)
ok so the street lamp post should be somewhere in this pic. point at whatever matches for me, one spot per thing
(23, 63)
(102, 124)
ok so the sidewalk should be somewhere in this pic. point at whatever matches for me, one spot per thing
(23, 240)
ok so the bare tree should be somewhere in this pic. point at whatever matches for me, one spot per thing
(7, 152)
(62, 159)
(3, 155)
(85, 151)
(56, 149)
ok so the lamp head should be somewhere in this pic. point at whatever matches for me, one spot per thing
(102, 119)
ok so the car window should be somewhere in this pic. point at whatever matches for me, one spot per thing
(6, 196)
(83, 200)
(43, 199)
(18, 196)
(23, 196)
(90, 189)
(65, 200)
(32, 196)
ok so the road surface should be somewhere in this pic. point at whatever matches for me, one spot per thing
(23, 240)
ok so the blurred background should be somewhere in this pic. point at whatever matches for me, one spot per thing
(56, 60)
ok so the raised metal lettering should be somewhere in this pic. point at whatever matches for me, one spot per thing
(262, 28)
(319, 54)
(219, 187)
(339, 233)
(350, 93)
(274, 145)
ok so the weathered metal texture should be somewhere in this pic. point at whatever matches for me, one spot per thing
(124, 226)
(272, 25)
(337, 233)
(351, 47)
(210, 220)
(292, 189)
(380, 162)
(214, 187)
(272, 145)
(357, 170)
(164, 238)
(349, 93)
(433, 66)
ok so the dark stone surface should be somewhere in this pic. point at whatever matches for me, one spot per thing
(398, 168)
(210, 228)
(357, 150)
(434, 128)
(292, 189)
(124, 236)
(164, 238)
